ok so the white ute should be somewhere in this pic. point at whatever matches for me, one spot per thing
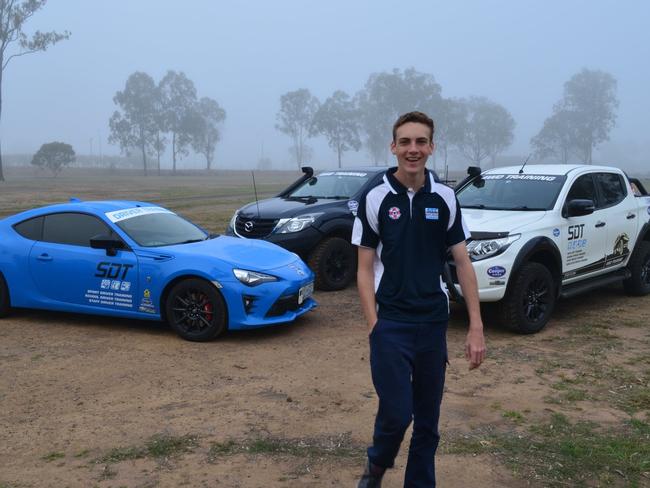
(542, 232)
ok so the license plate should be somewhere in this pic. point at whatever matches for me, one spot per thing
(305, 292)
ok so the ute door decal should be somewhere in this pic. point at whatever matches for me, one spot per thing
(583, 238)
(621, 217)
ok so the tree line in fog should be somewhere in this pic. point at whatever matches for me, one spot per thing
(151, 118)
(475, 127)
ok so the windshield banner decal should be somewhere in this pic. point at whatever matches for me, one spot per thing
(128, 213)
(520, 177)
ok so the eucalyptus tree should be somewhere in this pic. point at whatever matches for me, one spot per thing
(206, 134)
(295, 119)
(54, 156)
(135, 124)
(385, 97)
(590, 99)
(337, 120)
(178, 105)
(487, 130)
(556, 138)
(15, 43)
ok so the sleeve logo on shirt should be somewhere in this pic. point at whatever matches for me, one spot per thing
(431, 213)
(394, 213)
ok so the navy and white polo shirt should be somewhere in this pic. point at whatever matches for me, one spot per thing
(411, 232)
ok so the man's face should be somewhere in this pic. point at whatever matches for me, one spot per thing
(412, 146)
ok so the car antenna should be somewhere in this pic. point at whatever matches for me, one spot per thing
(521, 170)
(255, 190)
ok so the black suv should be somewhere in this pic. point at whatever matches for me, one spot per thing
(313, 217)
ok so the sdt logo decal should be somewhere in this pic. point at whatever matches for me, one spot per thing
(112, 270)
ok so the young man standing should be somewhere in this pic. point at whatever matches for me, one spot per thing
(403, 230)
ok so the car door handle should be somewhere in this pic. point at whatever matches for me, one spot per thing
(44, 257)
(600, 224)
(630, 216)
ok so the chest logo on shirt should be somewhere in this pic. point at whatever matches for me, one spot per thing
(394, 213)
(431, 213)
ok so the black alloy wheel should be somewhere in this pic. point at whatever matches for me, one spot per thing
(333, 261)
(196, 310)
(536, 299)
(530, 299)
(638, 284)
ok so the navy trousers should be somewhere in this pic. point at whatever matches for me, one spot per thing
(408, 363)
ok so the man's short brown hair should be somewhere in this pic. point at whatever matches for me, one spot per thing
(418, 117)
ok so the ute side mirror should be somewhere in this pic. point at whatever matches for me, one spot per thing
(109, 243)
(578, 207)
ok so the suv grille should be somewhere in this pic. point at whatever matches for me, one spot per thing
(254, 228)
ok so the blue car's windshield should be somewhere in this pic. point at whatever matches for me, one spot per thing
(161, 229)
(332, 184)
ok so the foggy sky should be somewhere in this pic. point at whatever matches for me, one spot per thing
(246, 54)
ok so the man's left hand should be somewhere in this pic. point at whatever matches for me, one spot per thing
(475, 347)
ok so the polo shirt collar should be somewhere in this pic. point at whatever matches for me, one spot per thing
(397, 187)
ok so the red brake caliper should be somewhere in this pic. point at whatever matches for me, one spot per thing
(207, 308)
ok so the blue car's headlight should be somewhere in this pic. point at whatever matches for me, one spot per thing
(296, 224)
(487, 248)
(252, 278)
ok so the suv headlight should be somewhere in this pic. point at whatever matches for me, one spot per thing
(487, 248)
(296, 224)
(252, 278)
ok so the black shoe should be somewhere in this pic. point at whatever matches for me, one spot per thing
(371, 477)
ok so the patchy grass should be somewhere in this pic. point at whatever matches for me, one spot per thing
(53, 456)
(559, 453)
(337, 447)
(157, 447)
(513, 415)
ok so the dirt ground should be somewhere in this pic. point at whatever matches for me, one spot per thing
(100, 402)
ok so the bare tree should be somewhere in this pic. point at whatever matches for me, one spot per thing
(13, 16)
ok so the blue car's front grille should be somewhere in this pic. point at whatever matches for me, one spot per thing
(254, 228)
(282, 305)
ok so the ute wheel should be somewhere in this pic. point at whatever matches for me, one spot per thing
(5, 305)
(196, 310)
(639, 283)
(334, 263)
(530, 300)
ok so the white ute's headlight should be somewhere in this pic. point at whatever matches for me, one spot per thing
(486, 248)
(296, 224)
(252, 278)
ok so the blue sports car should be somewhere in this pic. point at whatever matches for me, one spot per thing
(139, 260)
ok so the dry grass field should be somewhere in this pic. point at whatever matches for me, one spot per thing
(101, 402)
